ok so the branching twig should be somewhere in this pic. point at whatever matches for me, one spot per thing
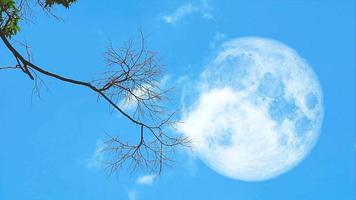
(10, 67)
(132, 86)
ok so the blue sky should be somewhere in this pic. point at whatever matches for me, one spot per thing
(47, 142)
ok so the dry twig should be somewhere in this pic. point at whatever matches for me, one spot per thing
(132, 86)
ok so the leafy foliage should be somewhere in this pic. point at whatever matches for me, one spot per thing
(10, 16)
(65, 3)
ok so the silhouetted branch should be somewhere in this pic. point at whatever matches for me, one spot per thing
(10, 67)
(132, 85)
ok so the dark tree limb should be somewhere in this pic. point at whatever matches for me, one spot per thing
(133, 77)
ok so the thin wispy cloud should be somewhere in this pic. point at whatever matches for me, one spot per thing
(218, 37)
(146, 179)
(132, 194)
(130, 103)
(201, 7)
(97, 159)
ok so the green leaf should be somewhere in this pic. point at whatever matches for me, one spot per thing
(65, 3)
(9, 18)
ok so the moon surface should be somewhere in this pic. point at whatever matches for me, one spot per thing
(255, 111)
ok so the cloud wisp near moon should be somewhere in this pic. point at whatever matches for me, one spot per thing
(255, 111)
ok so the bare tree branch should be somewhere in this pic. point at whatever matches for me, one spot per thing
(10, 67)
(133, 78)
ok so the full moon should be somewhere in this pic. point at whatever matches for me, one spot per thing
(255, 111)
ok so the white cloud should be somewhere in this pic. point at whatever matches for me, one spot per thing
(182, 79)
(190, 162)
(182, 11)
(218, 37)
(130, 102)
(165, 80)
(146, 180)
(132, 194)
(96, 160)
